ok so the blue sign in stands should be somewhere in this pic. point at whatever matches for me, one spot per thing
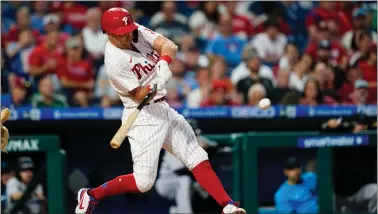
(210, 112)
(333, 141)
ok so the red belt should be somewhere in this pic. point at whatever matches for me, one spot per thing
(156, 101)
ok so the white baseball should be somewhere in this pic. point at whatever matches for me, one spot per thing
(264, 103)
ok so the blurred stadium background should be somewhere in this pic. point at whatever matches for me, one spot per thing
(316, 61)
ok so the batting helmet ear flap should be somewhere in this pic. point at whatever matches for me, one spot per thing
(135, 36)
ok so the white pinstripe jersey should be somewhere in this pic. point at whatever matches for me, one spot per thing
(128, 69)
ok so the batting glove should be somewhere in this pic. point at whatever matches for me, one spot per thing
(163, 72)
(159, 82)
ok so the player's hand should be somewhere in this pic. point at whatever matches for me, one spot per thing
(159, 83)
(163, 71)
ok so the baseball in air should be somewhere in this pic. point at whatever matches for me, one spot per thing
(264, 103)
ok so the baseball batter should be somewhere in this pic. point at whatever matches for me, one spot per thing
(135, 59)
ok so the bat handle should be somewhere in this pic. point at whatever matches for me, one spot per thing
(5, 114)
(114, 145)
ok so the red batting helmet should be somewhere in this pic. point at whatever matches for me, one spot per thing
(117, 21)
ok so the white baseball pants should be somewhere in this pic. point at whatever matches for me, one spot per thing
(159, 126)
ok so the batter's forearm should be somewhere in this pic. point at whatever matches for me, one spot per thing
(169, 49)
(165, 47)
(141, 92)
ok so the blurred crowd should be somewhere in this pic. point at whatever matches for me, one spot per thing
(230, 53)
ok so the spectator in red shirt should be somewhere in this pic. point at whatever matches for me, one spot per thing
(19, 92)
(313, 94)
(336, 20)
(51, 22)
(76, 74)
(360, 95)
(219, 95)
(44, 58)
(369, 70)
(352, 75)
(74, 14)
(369, 67)
(241, 25)
(22, 23)
(338, 54)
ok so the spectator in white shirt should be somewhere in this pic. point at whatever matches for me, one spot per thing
(298, 76)
(290, 57)
(242, 70)
(94, 39)
(270, 44)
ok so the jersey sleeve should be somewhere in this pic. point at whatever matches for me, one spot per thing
(121, 78)
(310, 179)
(283, 205)
(12, 187)
(147, 34)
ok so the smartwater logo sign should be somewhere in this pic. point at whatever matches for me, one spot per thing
(333, 141)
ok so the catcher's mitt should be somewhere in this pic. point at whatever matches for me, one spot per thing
(5, 114)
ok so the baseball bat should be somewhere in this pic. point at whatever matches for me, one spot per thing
(121, 134)
(5, 114)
